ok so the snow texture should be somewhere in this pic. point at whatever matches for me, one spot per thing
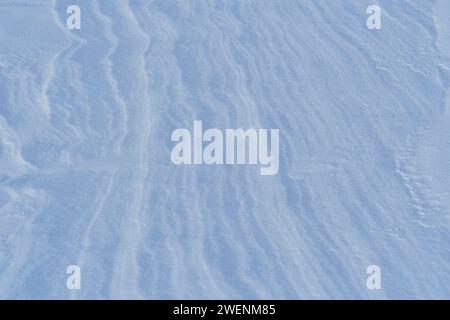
(86, 177)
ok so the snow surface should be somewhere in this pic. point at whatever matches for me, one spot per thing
(85, 171)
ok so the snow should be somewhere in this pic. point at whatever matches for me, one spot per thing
(86, 176)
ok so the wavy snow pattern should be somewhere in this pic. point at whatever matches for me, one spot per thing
(86, 176)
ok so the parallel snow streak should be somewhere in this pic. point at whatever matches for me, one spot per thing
(86, 177)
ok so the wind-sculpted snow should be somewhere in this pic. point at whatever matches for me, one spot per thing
(86, 176)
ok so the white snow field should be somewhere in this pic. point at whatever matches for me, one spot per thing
(86, 176)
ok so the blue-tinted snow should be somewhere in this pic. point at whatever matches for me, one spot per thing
(85, 171)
